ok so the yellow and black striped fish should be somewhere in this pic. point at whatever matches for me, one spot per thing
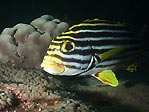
(94, 47)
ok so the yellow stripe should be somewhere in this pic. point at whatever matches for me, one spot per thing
(55, 52)
(64, 37)
(98, 24)
(57, 42)
(61, 41)
(54, 47)
(94, 20)
(70, 32)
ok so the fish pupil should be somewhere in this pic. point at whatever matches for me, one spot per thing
(69, 46)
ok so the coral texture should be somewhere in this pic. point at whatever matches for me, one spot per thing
(30, 90)
(24, 45)
(6, 98)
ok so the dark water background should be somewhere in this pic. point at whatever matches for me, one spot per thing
(16, 11)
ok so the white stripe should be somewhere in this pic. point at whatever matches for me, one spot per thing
(78, 65)
(83, 48)
(113, 31)
(99, 47)
(105, 47)
(94, 31)
(101, 38)
(77, 56)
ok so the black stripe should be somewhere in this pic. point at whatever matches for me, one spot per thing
(96, 21)
(70, 60)
(99, 34)
(105, 43)
(75, 67)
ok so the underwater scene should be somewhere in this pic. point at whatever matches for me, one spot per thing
(74, 56)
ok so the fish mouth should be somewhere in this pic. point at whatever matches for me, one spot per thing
(53, 68)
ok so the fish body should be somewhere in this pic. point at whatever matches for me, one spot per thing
(94, 47)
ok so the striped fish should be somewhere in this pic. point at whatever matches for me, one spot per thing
(93, 47)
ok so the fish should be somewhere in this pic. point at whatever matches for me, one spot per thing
(93, 47)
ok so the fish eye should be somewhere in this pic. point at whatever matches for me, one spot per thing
(67, 46)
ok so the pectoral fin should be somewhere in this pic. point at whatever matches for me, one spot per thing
(107, 77)
(111, 53)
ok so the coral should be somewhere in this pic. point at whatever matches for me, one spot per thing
(6, 98)
(32, 90)
(25, 45)
(74, 106)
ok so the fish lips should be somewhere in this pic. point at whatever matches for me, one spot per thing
(54, 68)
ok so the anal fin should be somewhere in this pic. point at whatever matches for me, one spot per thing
(107, 77)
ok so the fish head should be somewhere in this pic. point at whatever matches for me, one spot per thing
(65, 57)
